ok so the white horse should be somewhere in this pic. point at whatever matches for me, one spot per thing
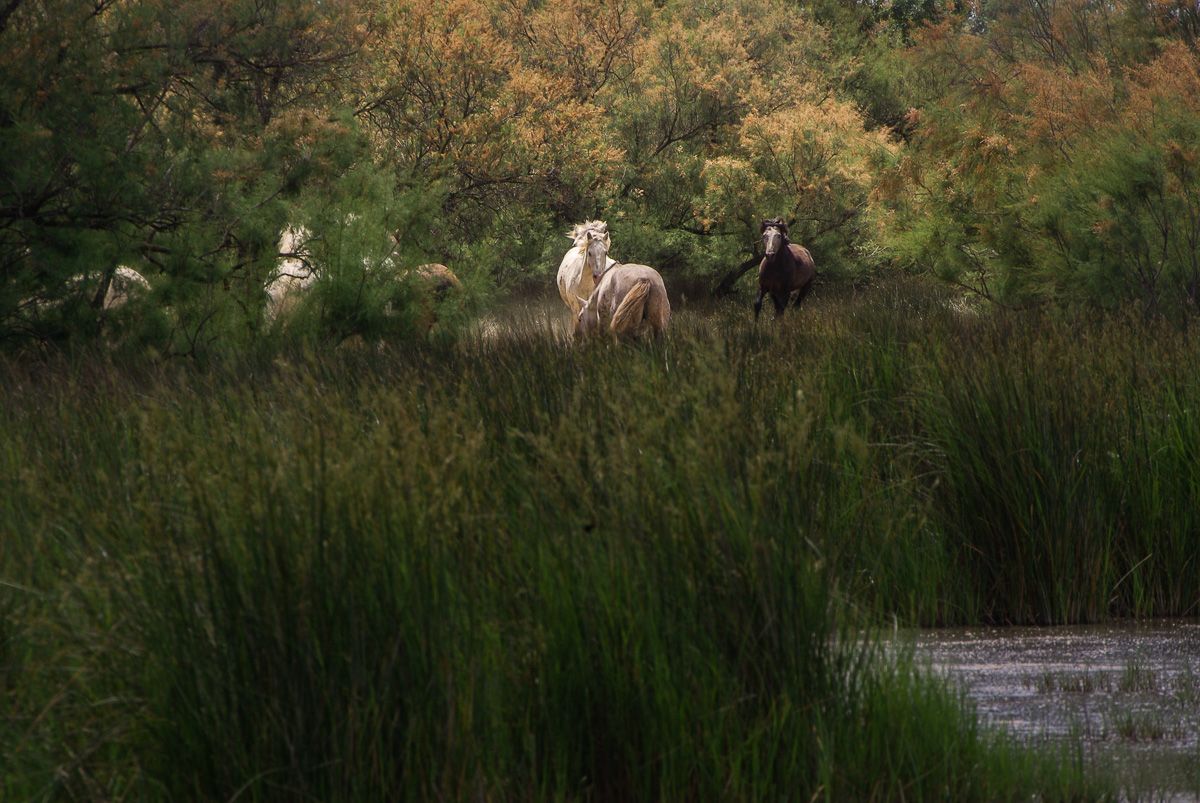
(628, 300)
(293, 274)
(124, 285)
(296, 273)
(582, 266)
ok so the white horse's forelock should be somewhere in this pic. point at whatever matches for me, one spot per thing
(578, 231)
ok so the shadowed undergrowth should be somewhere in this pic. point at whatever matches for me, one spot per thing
(513, 568)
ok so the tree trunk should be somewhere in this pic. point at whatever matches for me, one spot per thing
(725, 286)
(102, 291)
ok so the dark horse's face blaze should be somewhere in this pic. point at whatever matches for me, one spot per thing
(774, 236)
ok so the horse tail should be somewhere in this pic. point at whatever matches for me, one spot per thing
(632, 308)
(659, 311)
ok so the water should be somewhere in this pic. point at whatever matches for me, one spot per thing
(1128, 693)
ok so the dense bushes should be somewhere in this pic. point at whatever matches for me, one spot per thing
(1052, 156)
(1031, 151)
(180, 140)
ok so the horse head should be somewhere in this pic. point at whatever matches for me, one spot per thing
(774, 235)
(593, 241)
(588, 318)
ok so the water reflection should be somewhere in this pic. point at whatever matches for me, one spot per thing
(1130, 691)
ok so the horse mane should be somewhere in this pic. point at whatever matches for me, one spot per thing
(775, 223)
(632, 308)
(596, 226)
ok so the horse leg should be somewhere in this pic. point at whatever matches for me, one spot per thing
(801, 295)
(758, 303)
(780, 300)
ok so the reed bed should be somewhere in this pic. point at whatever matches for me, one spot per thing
(508, 567)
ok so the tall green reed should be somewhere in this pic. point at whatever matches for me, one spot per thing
(516, 568)
(1062, 453)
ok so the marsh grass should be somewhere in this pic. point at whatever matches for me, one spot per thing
(1138, 679)
(507, 566)
(1139, 726)
(1186, 688)
(1084, 682)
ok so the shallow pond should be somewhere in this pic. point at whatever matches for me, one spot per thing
(1129, 692)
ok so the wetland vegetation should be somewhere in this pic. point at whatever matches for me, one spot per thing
(380, 538)
(511, 566)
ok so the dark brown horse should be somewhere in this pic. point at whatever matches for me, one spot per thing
(787, 268)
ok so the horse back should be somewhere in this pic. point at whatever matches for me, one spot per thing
(438, 276)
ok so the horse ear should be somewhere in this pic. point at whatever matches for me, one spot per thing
(763, 227)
